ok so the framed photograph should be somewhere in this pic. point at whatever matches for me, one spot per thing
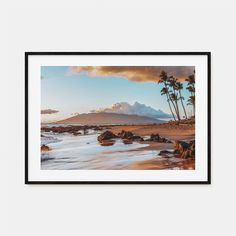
(117, 117)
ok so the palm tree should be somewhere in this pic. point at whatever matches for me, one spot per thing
(179, 87)
(165, 91)
(191, 101)
(191, 80)
(164, 79)
(191, 89)
(174, 97)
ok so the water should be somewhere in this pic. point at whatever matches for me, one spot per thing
(56, 124)
(165, 119)
(70, 152)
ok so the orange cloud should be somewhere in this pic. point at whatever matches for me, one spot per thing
(136, 73)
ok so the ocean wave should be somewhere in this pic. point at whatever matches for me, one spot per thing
(45, 157)
(47, 139)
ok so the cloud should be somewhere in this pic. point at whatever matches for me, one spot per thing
(75, 114)
(48, 111)
(135, 73)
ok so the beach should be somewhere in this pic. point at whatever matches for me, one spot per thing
(72, 147)
(173, 132)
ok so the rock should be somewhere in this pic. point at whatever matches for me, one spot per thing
(165, 140)
(97, 128)
(45, 148)
(125, 134)
(185, 154)
(192, 148)
(184, 149)
(154, 137)
(106, 136)
(181, 146)
(107, 142)
(77, 133)
(85, 131)
(129, 135)
(70, 128)
(165, 152)
(127, 141)
(137, 138)
(158, 138)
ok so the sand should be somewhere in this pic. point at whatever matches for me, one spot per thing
(164, 163)
(172, 132)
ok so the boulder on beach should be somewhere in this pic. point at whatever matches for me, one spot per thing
(155, 137)
(127, 141)
(45, 148)
(97, 128)
(181, 146)
(190, 152)
(125, 134)
(158, 138)
(165, 153)
(107, 142)
(129, 136)
(137, 138)
(106, 136)
(184, 149)
(77, 133)
(69, 129)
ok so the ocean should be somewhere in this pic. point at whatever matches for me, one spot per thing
(69, 152)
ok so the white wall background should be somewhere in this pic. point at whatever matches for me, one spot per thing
(122, 25)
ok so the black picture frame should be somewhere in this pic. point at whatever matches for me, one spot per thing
(207, 54)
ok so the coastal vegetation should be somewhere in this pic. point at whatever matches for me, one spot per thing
(172, 89)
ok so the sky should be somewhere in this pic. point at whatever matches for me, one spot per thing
(66, 91)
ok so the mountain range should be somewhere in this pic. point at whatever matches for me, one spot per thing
(105, 118)
(135, 109)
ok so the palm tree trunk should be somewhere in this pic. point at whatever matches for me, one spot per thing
(174, 106)
(193, 89)
(194, 101)
(169, 99)
(183, 104)
(177, 107)
(170, 107)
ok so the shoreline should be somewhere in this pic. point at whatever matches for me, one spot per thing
(166, 130)
(160, 163)
(164, 164)
(172, 132)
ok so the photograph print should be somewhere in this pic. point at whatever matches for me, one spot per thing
(118, 118)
